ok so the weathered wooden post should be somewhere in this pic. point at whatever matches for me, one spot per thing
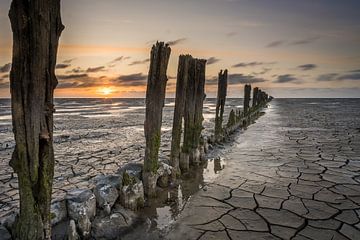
(247, 94)
(36, 26)
(155, 97)
(193, 114)
(255, 96)
(180, 97)
(220, 103)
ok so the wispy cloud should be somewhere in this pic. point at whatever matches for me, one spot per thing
(136, 79)
(139, 62)
(251, 64)
(212, 60)
(62, 65)
(275, 44)
(119, 59)
(95, 69)
(5, 68)
(304, 41)
(237, 78)
(354, 76)
(68, 61)
(307, 67)
(72, 76)
(176, 42)
(295, 42)
(287, 78)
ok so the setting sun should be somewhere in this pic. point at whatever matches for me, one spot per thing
(105, 91)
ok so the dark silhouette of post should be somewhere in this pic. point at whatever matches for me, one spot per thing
(181, 85)
(255, 96)
(36, 26)
(193, 118)
(155, 97)
(247, 95)
(220, 103)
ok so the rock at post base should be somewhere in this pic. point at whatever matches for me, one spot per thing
(58, 212)
(107, 191)
(4, 233)
(82, 208)
(132, 192)
(164, 173)
(72, 234)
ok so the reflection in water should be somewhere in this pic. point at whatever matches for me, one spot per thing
(163, 210)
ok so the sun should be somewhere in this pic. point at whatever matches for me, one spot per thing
(105, 91)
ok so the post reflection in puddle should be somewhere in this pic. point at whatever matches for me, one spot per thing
(163, 210)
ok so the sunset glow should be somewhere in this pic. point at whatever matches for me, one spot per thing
(105, 91)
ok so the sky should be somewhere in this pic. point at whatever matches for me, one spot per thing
(289, 48)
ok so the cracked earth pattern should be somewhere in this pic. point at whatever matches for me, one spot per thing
(91, 137)
(295, 174)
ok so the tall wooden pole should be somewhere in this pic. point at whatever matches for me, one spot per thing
(36, 26)
(155, 97)
(181, 85)
(247, 95)
(195, 94)
(255, 96)
(220, 103)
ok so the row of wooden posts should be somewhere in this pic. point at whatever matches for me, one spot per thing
(190, 95)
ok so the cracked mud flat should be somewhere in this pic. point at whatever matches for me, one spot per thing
(98, 136)
(295, 174)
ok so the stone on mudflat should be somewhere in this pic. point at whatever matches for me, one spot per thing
(133, 169)
(4, 233)
(164, 172)
(79, 200)
(58, 212)
(72, 234)
(108, 228)
(132, 192)
(106, 192)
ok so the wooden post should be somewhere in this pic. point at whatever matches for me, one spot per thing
(193, 114)
(155, 97)
(181, 85)
(220, 103)
(247, 94)
(255, 97)
(36, 26)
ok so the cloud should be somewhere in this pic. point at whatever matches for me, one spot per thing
(136, 79)
(296, 42)
(231, 34)
(76, 70)
(307, 67)
(4, 83)
(78, 81)
(354, 76)
(304, 41)
(275, 44)
(119, 59)
(327, 77)
(72, 76)
(212, 60)
(176, 42)
(237, 78)
(139, 62)
(6, 68)
(248, 64)
(264, 70)
(286, 78)
(357, 70)
(62, 65)
(95, 69)
(68, 61)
